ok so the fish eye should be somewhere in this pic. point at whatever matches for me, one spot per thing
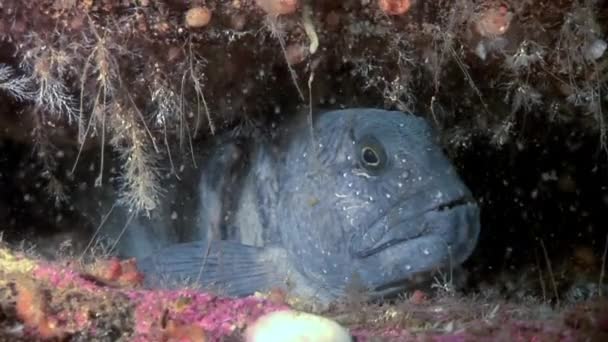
(369, 156)
(371, 153)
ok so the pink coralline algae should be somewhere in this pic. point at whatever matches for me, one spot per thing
(62, 301)
(217, 316)
(154, 311)
(70, 301)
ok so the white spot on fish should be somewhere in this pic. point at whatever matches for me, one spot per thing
(388, 195)
(350, 185)
(426, 251)
(400, 184)
(408, 267)
(340, 195)
(361, 173)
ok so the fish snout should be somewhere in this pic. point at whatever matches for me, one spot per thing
(449, 211)
(441, 237)
(457, 223)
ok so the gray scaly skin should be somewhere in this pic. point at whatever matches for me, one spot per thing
(368, 198)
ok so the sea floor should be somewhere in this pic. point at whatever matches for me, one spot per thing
(103, 301)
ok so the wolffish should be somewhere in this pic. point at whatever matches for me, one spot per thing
(360, 195)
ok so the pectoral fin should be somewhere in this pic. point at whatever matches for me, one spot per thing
(226, 266)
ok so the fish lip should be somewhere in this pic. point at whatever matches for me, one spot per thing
(398, 286)
(412, 262)
(384, 292)
(460, 201)
(465, 200)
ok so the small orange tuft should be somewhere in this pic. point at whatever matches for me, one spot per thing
(131, 279)
(394, 7)
(114, 271)
(419, 298)
(198, 17)
(31, 309)
(128, 266)
(584, 260)
(130, 275)
(277, 296)
(278, 7)
(177, 332)
(295, 53)
(494, 22)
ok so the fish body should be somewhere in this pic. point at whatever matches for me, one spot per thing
(361, 195)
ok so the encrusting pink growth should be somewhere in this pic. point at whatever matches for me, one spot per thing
(217, 316)
(63, 277)
(90, 302)
(159, 313)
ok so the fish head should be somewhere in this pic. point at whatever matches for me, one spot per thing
(368, 194)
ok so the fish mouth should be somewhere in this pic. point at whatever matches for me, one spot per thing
(464, 200)
(389, 240)
(417, 245)
(397, 287)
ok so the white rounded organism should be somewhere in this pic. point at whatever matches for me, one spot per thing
(295, 326)
(596, 50)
